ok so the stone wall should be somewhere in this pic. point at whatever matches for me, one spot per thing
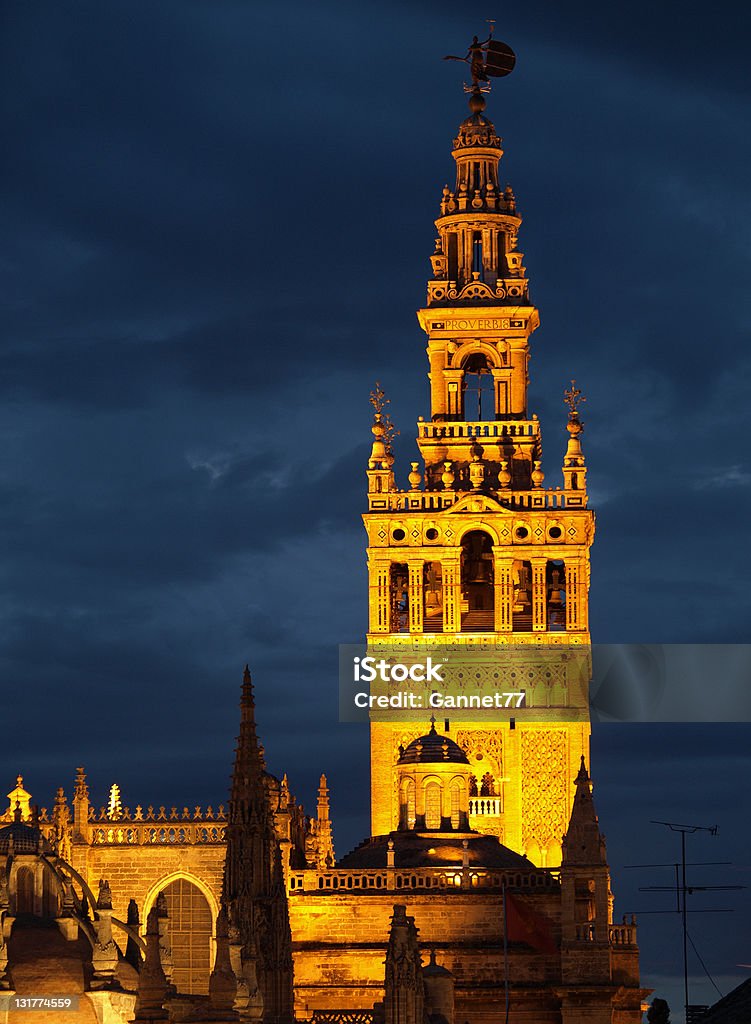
(339, 947)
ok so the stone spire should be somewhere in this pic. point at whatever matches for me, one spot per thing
(325, 850)
(586, 897)
(381, 461)
(574, 466)
(583, 843)
(404, 997)
(81, 805)
(254, 893)
(61, 820)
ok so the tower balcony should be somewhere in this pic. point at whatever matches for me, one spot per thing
(481, 430)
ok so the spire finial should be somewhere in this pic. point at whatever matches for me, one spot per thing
(247, 700)
(573, 398)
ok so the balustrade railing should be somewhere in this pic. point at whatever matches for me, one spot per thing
(484, 805)
(397, 879)
(479, 429)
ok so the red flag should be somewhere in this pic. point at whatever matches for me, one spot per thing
(523, 924)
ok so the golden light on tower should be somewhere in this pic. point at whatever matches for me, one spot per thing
(478, 556)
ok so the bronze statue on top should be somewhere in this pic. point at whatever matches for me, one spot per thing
(489, 59)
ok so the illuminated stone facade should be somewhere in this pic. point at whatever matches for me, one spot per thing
(477, 558)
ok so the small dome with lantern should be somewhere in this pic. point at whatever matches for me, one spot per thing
(432, 748)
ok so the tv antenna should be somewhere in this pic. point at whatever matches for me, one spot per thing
(682, 889)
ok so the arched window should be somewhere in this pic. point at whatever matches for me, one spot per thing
(478, 399)
(399, 595)
(488, 785)
(477, 260)
(555, 594)
(408, 804)
(190, 928)
(24, 891)
(432, 591)
(522, 607)
(478, 598)
(432, 805)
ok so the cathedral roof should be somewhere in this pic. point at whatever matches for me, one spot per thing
(25, 839)
(431, 748)
(420, 850)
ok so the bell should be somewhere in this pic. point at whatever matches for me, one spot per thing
(480, 571)
(557, 593)
(522, 591)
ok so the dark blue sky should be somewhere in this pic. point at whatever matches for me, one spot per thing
(217, 222)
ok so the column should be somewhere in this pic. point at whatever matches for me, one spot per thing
(380, 597)
(416, 570)
(451, 594)
(539, 596)
(573, 596)
(501, 390)
(453, 384)
(503, 594)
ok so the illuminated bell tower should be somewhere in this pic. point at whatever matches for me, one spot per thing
(477, 556)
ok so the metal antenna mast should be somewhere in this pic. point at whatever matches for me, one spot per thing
(682, 889)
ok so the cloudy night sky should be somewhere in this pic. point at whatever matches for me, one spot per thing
(217, 219)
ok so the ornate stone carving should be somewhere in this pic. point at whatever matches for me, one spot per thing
(544, 786)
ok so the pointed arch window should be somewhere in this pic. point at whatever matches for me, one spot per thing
(190, 928)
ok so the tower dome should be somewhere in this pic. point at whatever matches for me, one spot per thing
(432, 748)
(433, 775)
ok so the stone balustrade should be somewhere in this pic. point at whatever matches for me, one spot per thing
(404, 880)
(484, 805)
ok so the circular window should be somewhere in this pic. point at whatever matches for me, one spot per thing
(521, 533)
(398, 534)
(555, 532)
(431, 534)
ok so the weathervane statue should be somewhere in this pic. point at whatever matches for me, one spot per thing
(489, 59)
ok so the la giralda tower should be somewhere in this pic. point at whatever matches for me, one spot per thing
(478, 560)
